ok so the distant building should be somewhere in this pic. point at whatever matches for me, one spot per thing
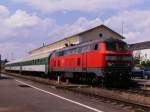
(141, 50)
(95, 33)
(3, 62)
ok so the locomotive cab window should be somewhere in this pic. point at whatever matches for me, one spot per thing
(114, 45)
(110, 45)
(96, 47)
(122, 46)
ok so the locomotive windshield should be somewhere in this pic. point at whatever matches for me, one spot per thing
(113, 45)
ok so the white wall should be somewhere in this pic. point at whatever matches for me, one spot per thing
(144, 54)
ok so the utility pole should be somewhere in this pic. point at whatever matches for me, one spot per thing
(122, 27)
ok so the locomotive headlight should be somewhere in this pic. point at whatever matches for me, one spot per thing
(110, 64)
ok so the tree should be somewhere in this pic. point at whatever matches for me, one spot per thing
(136, 60)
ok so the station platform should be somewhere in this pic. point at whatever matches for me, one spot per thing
(145, 82)
(18, 95)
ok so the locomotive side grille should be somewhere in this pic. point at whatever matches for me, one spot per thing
(118, 61)
(118, 58)
(118, 64)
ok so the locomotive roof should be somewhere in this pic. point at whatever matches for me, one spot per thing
(90, 42)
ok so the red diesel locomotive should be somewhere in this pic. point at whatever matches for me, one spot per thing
(105, 61)
(101, 59)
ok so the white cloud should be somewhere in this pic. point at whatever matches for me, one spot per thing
(22, 19)
(136, 25)
(4, 12)
(78, 26)
(25, 25)
(78, 5)
(20, 29)
(25, 28)
(11, 50)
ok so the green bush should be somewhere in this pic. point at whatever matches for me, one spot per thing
(146, 63)
(136, 60)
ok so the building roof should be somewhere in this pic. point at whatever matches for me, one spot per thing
(140, 46)
(101, 26)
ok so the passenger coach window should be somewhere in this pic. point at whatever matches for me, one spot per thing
(85, 48)
(61, 53)
(56, 54)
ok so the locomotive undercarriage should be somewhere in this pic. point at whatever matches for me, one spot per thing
(116, 77)
(110, 77)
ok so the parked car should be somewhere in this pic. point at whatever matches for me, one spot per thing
(146, 72)
(138, 72)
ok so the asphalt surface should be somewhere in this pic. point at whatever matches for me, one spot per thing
(19, 95)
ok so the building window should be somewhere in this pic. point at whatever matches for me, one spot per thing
(101, 35)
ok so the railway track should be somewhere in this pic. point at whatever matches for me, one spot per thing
(139, 91)
(78, 91)
(130, 106)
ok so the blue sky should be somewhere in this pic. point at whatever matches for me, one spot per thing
(27, 24)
